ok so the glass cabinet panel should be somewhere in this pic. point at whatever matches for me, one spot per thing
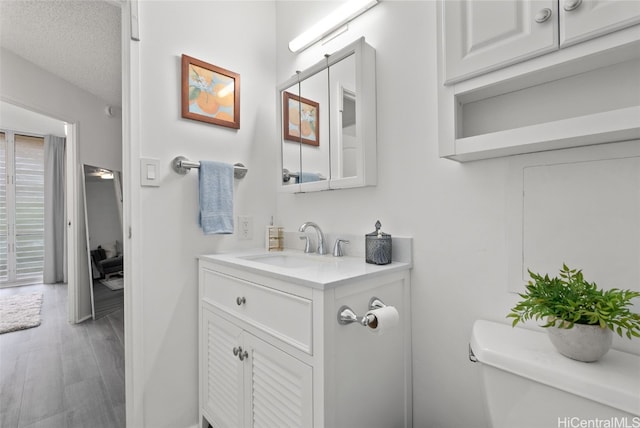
(327, 116)
(291, 150)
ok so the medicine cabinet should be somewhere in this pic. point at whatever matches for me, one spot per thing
(327, 123)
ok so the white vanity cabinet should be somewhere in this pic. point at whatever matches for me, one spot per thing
(249, 382)
(534, 75)
(272, 353)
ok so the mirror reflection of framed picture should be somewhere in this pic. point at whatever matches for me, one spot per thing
(209, 93)
(301, 119)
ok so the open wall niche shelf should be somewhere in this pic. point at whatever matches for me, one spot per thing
(586, 94)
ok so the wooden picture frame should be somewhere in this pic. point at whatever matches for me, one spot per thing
(305, 127)
(209, 93)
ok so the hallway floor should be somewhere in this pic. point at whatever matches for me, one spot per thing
(59, 374)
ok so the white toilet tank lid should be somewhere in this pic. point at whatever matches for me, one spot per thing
(614, 380)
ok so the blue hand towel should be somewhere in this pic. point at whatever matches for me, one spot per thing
(216, 197)
(307, 177)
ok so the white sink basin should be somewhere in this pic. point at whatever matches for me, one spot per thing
(289, 260)
(311, 270)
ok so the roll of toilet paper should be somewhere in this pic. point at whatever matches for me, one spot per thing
(382, 319)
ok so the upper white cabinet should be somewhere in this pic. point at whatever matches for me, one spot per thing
(584, 19)
(526, 76)
(480, 36)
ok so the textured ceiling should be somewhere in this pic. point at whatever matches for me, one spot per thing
(77, 40)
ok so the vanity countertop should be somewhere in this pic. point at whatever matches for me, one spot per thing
(309, 270)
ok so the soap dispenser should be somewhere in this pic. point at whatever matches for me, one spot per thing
(274, 238)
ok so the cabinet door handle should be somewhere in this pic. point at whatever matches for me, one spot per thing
(240, 301)
(570, 5)
(240, 353)
(543, 15)
(243, 354)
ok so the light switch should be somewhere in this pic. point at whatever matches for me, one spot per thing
(149, 172)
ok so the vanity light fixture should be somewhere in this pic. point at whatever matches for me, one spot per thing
(101, 173)
(330, 23)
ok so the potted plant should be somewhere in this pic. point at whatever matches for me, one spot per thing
(579, 316)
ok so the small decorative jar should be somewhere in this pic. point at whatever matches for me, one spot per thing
(378, 246)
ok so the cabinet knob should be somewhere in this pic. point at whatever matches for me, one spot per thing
(243, 354)
(543, 15)
(570, 5)
(240, 301)
(240, 353)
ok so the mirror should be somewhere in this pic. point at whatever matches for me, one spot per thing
(342, 76)
(291, 150)
(327, 117)
(305, 138)
(103, 222)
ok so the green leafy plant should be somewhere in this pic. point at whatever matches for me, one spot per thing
(569, 299)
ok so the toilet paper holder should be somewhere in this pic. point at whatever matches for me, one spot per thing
(347, 316)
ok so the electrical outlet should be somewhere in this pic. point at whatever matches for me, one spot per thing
(245, 227)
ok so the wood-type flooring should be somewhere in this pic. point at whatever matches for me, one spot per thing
(60, 374)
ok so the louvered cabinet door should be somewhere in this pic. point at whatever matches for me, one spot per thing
(222, 386)
(279, 387)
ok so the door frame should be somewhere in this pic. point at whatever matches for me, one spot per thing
(133, 290)
(71, 194)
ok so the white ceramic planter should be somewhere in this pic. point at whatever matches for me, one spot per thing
(582, 342)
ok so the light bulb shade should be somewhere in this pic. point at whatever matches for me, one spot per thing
(330, 23)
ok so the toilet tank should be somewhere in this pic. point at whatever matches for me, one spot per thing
(527, 383)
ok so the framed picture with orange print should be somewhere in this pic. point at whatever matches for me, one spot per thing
(209, 93)
(301, 119)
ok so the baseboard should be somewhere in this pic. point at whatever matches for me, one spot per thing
(84, 319)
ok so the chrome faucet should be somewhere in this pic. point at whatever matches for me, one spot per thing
(304, 226)
(337, 248)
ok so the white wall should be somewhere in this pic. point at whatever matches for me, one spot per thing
(456, 213)
(26, 85)
(238, 36)
(22, 120)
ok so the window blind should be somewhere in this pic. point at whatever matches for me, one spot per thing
(29, 206)
(4, 243)
(21, 207)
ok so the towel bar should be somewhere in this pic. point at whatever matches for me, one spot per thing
(182, 165)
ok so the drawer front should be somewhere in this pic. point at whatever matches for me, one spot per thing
(283, 315)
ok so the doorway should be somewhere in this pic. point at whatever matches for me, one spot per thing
(26, 222)
(129, 72)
